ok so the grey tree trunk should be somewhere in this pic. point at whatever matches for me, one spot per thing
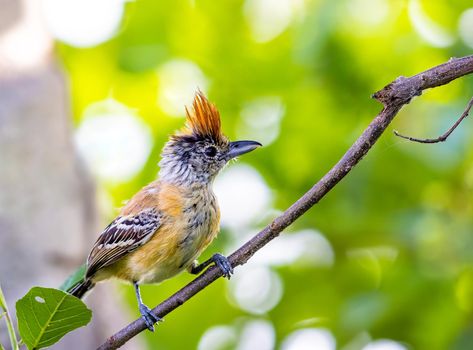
(48, 217)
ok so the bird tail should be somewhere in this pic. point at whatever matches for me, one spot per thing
(81, 287)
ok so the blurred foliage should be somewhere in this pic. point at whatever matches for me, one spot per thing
(400, 225)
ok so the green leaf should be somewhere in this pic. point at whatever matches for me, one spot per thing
(77, 275)
(45, 315)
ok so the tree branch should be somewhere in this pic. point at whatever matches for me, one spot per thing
(445, 135)
(393, 96)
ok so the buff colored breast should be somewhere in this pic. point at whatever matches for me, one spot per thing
(190, 223)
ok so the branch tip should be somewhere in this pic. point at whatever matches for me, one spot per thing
(446, 134)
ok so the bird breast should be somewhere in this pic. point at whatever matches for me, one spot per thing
(202, 218)
(190, 223)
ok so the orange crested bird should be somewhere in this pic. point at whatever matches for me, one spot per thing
(164, 228)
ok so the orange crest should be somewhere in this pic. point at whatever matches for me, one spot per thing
(204, 119)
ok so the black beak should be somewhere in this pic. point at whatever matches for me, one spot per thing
(238, 148)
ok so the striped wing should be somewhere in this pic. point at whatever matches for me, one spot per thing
(122, 236)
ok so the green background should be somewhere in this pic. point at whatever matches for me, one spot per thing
(400, 225)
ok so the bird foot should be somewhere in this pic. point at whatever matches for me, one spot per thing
(149, 318)
(223, 264)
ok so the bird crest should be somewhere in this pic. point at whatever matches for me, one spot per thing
(203, 120)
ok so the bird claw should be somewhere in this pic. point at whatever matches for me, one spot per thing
(149, 318)
(223, 264)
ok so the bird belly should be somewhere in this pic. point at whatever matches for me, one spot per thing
(190, 222)
(159, 272)
(173, 248)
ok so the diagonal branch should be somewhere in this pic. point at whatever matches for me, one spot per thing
(393, 96)
(445, 135)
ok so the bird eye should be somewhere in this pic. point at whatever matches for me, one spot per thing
(210, 151)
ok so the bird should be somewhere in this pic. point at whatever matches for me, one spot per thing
(163, 228)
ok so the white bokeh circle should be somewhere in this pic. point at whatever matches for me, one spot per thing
(114, 142)
(83, 23)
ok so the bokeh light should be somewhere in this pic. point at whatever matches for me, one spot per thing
(268, 19)
(301, 248)
(242, 194)
(373, 260)
(26, 44)
(114, 142)
(256, 289)
(309, 339)
(368, 13)
(83, 23)
(178, 81)
(217, 338)
(257, 334)
(465, 27)
(261, 120)
(430, 31)
(384, 344)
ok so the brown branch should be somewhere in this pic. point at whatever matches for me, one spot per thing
(393, 96)
(445, 135)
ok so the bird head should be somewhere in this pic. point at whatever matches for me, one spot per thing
(199, 151)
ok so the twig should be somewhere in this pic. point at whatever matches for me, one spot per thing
(393, 96)
(444, 136)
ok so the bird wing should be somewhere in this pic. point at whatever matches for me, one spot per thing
(122, 236)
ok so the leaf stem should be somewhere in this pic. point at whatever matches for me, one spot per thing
(8, 321)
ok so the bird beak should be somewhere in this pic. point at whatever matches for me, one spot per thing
(238, 148)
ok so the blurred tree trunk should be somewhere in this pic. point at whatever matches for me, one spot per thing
(48, 218)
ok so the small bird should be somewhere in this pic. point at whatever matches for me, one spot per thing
(164, 228)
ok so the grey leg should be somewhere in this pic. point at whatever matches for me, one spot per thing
(148, 316)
